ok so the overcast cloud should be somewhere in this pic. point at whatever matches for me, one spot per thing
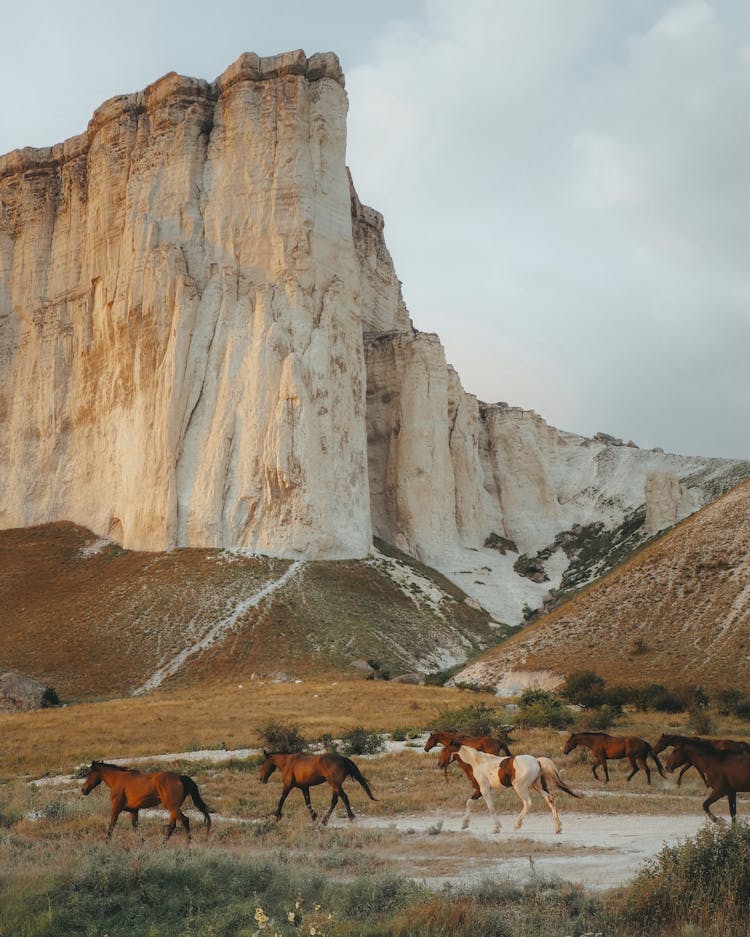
(565, 183)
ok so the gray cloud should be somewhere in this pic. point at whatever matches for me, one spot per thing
(566, 190)
(565, 185)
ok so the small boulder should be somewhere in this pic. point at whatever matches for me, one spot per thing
(19, 693)
(362, 666)
(414, 679)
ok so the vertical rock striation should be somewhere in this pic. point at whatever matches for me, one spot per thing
(181, 319)
(203, 342)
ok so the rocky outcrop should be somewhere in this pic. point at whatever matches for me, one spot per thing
(19, 693)
(203, 342)
(181, 316)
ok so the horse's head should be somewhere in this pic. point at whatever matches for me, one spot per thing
(661, 744)
(268, 767)
(448, 754)
(570, 745)
(93, 778)
(680, 756)
(431, 742)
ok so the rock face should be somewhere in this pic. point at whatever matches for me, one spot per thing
(19, 693)
(203, 342)
(181, 315)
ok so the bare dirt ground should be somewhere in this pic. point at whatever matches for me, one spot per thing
(594, 851)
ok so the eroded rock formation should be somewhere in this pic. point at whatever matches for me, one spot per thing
(203, 342)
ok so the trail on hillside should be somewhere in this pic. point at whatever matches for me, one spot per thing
(217, 631)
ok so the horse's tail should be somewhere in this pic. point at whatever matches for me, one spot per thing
(191, 788)
(355, 773)
(550, 773)
(659, 767)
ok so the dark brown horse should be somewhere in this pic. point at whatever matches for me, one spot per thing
(725, 772)
(132, 791)
(604, 746)
(305, 771)
(720, 745)
(482, 743)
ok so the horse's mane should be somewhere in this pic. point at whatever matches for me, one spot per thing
(107, 764)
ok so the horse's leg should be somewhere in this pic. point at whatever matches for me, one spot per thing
(715, 795)
(487, 794)
(284, 795)
(117, 808)
(334, 801)
(682, 771)
(732, 798)
(635, 765)
(551, 804)
(175, 815)
(606, 770)
(469, 804)
(348, 806)
(525, 797)
(595, 766)
(306, 794)
(644, 765)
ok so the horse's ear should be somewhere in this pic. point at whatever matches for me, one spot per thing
(265, 753)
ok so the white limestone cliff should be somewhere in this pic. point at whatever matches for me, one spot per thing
(203, 342)
(181, 319)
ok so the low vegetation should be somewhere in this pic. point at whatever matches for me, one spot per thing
(254, 876)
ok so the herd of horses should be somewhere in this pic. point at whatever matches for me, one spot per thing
(487, 762)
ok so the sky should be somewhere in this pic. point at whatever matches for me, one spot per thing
(565, 183)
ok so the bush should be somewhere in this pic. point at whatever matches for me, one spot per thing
(584, 688)
(362, 741)
(404, 733)
(479, 719)
(700, 720)
(655, 696)
(728, 700)
(542, 709)
(280, 738)
(50, 698)
(599, 720)
(704, 881)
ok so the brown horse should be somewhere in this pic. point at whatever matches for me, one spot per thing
(132, 791)
(482, 743)
(604, 746)
(305, 771)
(721, 745)
(725, 772)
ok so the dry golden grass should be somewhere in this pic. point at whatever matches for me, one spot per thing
(52, 741)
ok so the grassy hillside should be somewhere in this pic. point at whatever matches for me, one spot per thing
(677, 612)
(93, 620)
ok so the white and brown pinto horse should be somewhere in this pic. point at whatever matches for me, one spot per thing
(521, 772)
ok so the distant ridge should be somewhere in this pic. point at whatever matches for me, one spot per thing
(677, 612)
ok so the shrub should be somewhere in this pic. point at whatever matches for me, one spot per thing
(584, 688)
(403, 733)
(700, 721)
(50, 698)
(599, 720)
(478, 719)
(280, 738)
(543, 709)
(728, 700)
(704, 881)
(362, 741)
(656, 696)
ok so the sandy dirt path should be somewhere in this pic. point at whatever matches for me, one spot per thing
(596, 851)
